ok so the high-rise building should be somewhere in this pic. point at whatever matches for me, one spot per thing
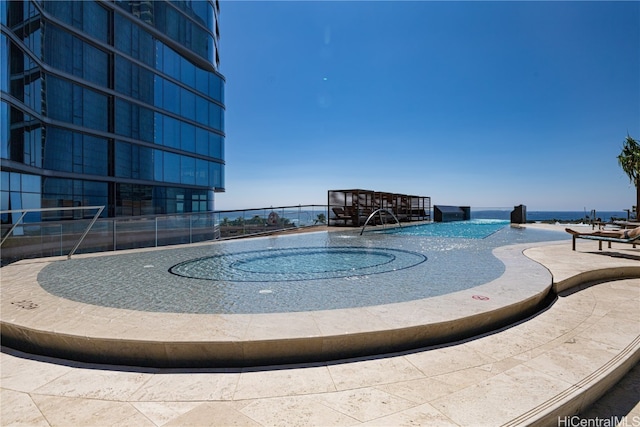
(116, 103)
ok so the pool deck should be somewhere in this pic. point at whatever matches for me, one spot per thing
(551, 365)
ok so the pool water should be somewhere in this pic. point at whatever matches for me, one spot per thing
(303, 272)
(472, 229)
(290, 264)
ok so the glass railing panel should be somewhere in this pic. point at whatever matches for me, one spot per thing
(135, 233)
(58, 238)
(172, 230)
(203, 227)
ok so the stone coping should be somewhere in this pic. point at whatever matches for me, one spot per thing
(36, 321)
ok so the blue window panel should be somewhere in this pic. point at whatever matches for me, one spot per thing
(135, 162)
(95, 110)
(76, 105)
(215, 116)
(123, 118)
(86, 16)
(122, 34)
(188, 172)
(158, 91)
(36, 89)
(3, 12)
(171, 167)
(59, 99)
(5, 70)
(4, 130)
(215, 175)
(58, 150)
(122, 159)
(33, 146)
(187, 72)
(146, 169)
(123, 76)
(4, 203)
(147, 52)
(61, 56)
(54, 187)
(76, 152)
(171, 132)
(146, 124)
(216, 146)
(31, 200)
(71, 55)
(202, 81)
(188, 104)
(202, 111)
(171, 97)
(170, 62)
(202, 142)
(31, 183)
(95, 65)
(158, 122)
(95, 155)
(211, 50)
(63, 10)
(15, 183)
(215, 87)
(4, 181)
(159, 59)
(15, 200)
(146, 86)
(95, 20)
(199, 11)
(158, 165)
(202, 172)
(188, 137)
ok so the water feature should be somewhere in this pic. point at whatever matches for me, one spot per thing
(305, 272)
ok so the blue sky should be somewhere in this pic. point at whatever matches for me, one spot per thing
(487, 104)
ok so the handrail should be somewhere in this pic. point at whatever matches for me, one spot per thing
(209, 225)
(69, 208)
(379, 211)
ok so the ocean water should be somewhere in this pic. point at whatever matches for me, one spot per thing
(550, 215)
(307, 217)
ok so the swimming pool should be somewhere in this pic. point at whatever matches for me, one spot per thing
(472, 229)
(305, 272)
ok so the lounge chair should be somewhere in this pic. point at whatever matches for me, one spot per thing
(341, 215)
(632, 241)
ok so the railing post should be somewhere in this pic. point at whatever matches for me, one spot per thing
(93, 221)
(14, 227)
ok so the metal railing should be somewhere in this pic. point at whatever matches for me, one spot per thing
(24, 212)
(76, 234)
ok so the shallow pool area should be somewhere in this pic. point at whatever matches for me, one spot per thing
(296, 273)
(290, 264)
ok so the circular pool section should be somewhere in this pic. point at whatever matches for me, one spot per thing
(291, 264)
(303, 272)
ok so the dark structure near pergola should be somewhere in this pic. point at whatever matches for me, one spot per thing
(353, 207)
(442, 213)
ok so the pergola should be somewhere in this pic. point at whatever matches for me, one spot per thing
(353, 207)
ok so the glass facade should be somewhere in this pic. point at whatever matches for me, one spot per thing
(116, 103)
